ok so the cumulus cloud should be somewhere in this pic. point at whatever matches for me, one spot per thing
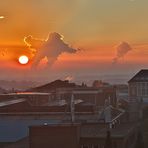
(33, 42)
(122, 49)
(51, 48)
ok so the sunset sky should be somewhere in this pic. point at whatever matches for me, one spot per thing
(111, 36)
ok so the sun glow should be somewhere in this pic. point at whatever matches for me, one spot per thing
(2, 17)
(23, 59)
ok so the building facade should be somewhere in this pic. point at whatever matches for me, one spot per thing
(138, 86)
(138, 94)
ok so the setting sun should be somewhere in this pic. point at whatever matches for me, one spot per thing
(23, 59)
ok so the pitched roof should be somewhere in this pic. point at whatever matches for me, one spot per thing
(53, 85)
(11, 102)
(141, 76)
(114, 113)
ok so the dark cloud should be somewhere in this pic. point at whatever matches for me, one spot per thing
(122, 49)
(51, 48)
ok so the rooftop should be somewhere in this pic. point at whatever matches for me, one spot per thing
(11, 102)
(25, 94)
(141, 76)
(113, 113)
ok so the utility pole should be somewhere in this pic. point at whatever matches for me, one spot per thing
(72, 107)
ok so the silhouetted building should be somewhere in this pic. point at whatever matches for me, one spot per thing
(33, 98)
(82, 136)
(55, 136)
(50, 87)
(138, 86)
(89, 95)
(138, 93)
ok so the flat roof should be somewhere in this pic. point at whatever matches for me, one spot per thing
(10, 102)
(25, 94)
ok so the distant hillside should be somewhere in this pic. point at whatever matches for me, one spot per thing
(52, 86)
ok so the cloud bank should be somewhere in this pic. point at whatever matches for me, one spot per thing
(51, 48)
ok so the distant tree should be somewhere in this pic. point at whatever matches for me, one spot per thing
(108, 141)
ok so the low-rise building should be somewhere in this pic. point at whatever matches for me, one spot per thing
(92, 135)
(89, 95)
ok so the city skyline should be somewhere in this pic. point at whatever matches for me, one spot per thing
(111, 36)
